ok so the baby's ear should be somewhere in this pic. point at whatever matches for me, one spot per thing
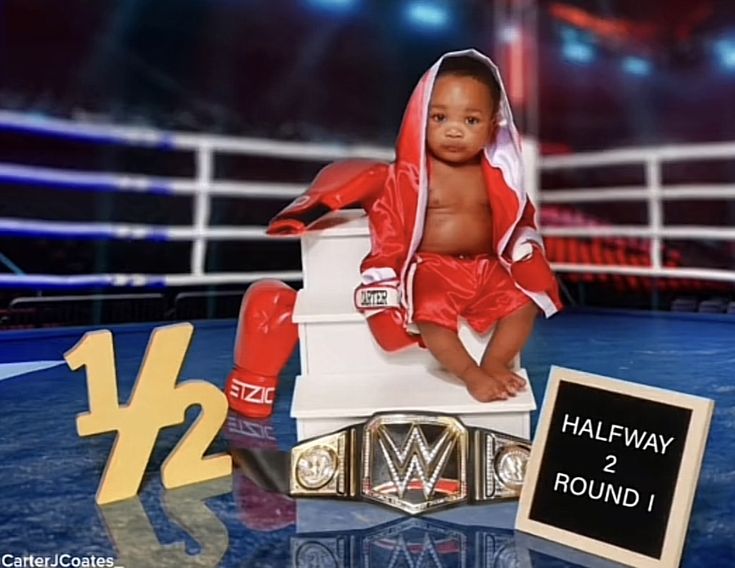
(493, 132)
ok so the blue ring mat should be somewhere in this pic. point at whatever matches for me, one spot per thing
(49, 476)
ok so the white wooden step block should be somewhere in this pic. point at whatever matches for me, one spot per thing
(331, 258)
(324, 403)
(335, 338)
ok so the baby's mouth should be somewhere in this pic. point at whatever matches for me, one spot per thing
(453, 147)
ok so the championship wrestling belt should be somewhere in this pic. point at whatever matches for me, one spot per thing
(416, 462)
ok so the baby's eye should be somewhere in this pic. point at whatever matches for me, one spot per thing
(472, 120)
(438, 117)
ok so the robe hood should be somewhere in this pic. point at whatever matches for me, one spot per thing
(504, 153)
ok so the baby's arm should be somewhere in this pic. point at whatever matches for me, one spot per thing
(446, 347)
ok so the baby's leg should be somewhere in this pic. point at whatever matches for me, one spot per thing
(446, 347)
(510, 336)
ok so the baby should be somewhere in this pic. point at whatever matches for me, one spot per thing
(453, 230)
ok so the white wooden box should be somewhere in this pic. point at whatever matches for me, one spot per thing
(335, 339)
(345, 376)
(326, 403)
(331, 258)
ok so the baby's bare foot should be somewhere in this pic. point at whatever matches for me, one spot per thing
(483, 387)
(513, 383)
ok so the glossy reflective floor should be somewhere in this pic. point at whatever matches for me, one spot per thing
(49, 476)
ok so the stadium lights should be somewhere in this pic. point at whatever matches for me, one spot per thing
(427, 14)
(578, 52)
(725, 50)
(334, 5)
(637, 66)
(510, 34)
(575, 48)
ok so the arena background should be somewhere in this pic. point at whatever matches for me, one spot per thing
(144, 145)
(334, 76)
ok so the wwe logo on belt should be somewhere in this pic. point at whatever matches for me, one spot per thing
(416, 462)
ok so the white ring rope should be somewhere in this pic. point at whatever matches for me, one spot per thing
(202, 187)
(127, 135)
(668, 193)
(679, 232)
(163, 280)
(143, 184)
(694, 273)
(128, 231)
(683, 152)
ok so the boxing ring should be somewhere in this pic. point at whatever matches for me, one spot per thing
(206, 186)
(49, 475)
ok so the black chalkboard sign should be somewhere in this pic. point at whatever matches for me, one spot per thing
(614, 467)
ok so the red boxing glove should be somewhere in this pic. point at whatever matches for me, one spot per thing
(530, 268)
(336, 186)
(265, 339)
(380, 304)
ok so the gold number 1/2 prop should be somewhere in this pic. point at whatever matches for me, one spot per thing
(156, 402)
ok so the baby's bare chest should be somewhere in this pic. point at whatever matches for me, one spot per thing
(458, 194)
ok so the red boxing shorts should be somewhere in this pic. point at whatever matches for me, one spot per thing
(476, 288)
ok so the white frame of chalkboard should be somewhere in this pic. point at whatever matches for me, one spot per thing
(686, 483)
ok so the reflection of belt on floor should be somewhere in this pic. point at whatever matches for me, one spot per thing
(413, 461)
(410, 542)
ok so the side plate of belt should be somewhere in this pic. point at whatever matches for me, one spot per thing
(416, 462)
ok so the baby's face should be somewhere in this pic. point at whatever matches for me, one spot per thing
(460, 121)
